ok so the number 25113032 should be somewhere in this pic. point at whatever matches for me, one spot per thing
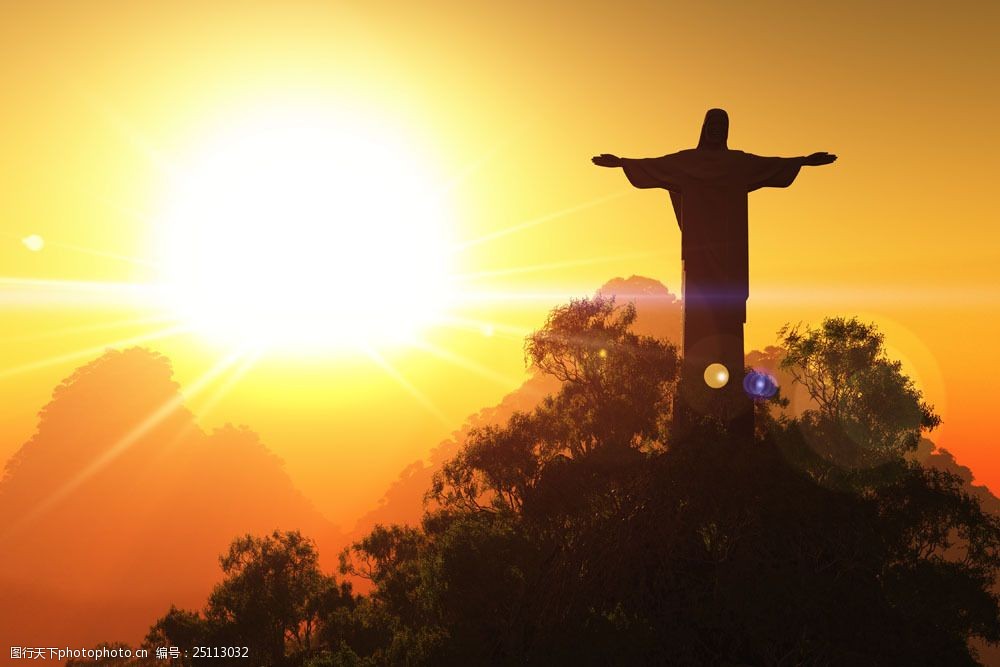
(221, 652)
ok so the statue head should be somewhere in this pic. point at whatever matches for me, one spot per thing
(715, 130)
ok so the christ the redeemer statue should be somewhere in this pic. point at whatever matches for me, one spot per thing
(708, 188)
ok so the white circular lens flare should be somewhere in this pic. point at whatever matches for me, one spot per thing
(34, 242)
(716, 376)
(307, 230)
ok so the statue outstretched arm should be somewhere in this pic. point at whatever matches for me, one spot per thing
(779, 172)
(607, 160)
(817, 159)
(656, 172)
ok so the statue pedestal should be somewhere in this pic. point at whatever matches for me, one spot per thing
(713, 336)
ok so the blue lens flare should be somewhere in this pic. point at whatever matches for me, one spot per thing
(760, 386)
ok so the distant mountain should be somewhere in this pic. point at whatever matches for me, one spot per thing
(119, 505)
(403, 501)
(659, 310)
(932, 456)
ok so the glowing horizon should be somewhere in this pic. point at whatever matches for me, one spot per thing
(502, 119)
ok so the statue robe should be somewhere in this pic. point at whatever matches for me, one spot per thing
(708, 189)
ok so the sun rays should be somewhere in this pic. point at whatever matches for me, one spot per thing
(539, 220)
(115, 449)
(92, 351)
(34, 293)
(58, 295)
(419, 396)
(141, 313)
(18, 293)
(475, 288)
(476, 312)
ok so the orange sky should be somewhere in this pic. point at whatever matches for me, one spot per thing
(511, 100)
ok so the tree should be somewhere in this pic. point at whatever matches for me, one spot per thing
(617, 386)
(573, 534)
(867, 411)
(269, 594)
(578, 535)
(942, 544)
(614, 402)
(183, 630)
(273, 598)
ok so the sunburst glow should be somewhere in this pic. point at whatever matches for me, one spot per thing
(307, 229)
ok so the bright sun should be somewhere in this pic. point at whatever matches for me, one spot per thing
(306, 230)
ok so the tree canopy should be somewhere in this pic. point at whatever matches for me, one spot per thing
(273, 599)
(867, 410)
(582, 532)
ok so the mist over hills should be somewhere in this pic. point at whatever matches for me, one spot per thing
(109, 516)
(659, 315)
(119, 505)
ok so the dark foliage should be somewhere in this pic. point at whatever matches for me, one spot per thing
(867, 411)
(274, 600)
(581, 533)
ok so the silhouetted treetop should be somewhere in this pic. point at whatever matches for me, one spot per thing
(615, 395)
(581, 533)
(867, 410)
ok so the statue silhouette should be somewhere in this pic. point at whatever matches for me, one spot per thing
(708, 188)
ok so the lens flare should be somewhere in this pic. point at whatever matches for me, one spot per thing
(716, 376)
(759, 385)
(34, 243)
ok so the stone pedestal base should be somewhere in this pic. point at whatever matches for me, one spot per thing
(713, 334)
